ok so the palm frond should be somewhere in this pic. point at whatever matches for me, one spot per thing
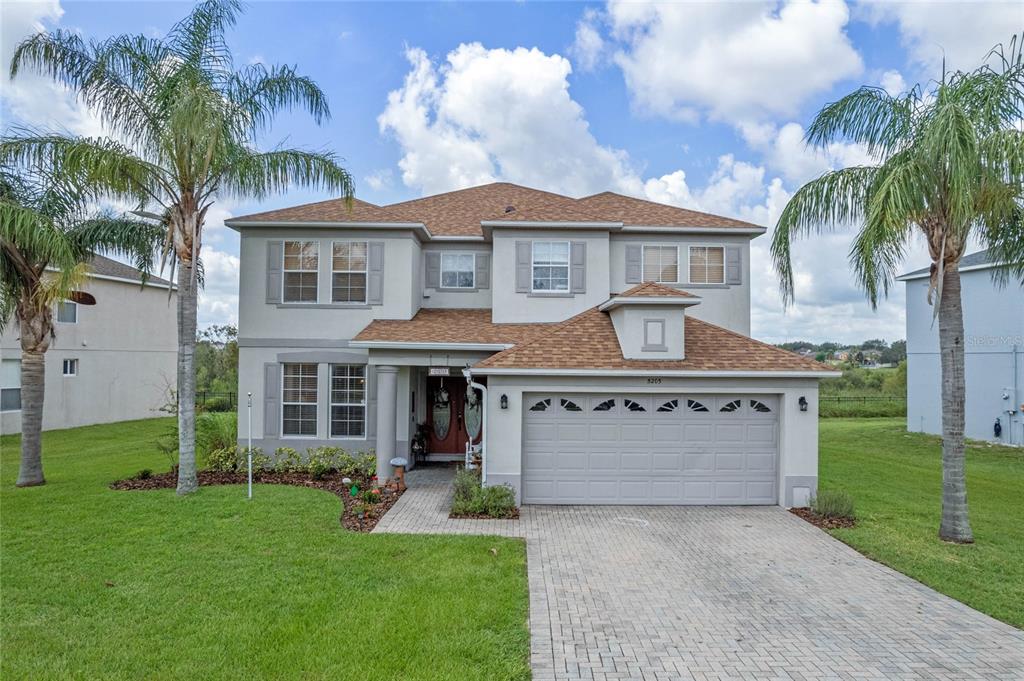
(260, 174)
(868, 116)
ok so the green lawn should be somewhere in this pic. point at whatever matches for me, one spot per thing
(895, 478)
(98, 584)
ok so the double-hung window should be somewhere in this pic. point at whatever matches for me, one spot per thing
(348, 272)
(550, 266)
(661, 264)
(10, 385)
(707, 264)
(301, 265)
(67, 312)
(458, 270)
(298, 400)
(70, 367)
(348, 400)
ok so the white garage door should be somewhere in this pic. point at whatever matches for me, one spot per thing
(650, 449)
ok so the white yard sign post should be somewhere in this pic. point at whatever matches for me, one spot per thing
(249, 448)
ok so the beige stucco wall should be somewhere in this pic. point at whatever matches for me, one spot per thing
(126, 347)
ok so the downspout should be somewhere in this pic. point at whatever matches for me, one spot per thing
(468, 373)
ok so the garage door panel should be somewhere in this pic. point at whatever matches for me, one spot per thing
(626, 453)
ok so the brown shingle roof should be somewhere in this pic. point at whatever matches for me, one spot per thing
(332, 210)
(460, 212)
(106, 267)
(588, 341)
(450, 326)
(633, 211)
(650, 289)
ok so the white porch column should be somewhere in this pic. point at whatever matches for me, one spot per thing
(387, 424)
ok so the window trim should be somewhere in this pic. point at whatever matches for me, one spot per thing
(568, 268)
(315, 404)
(689, 265)
(285, 271)
(365, 272)
(643, 262)
(472, 270)
(649, 346)
(331, 403)
(56, 315)
(4, 388)
(74, 365)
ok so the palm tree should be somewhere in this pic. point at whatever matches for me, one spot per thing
(186, 123)
(948, 165)
(46, 241)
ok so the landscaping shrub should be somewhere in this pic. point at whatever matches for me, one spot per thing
(833, 503)
(217, 404)
(854, 409)
(216, 431)
(222, 460)
(321, 461)
(287, 460)
(144, 474)
(470, 498)
(358, 465)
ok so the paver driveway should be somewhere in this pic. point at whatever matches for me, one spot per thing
(720, 593)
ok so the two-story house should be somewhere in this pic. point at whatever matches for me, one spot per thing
(606, 340)
(113, 360)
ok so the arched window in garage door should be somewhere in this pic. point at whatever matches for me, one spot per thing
(760, 407)
(541, 405)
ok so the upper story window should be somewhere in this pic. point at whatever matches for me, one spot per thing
(707, 264)
(550, 265)
(348, 271)
(661, 264)
(301, 265)
(70, 367)
(67, 312)
(458, 270)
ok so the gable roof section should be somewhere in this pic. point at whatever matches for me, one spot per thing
(460, 213)
(650, 289)
(330, 211)
(588, 341)
(105, 267)
(632, 211)
(451, 326)
(978, 260)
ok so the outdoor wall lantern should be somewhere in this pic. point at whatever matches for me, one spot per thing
(504, 401)
(803, 403)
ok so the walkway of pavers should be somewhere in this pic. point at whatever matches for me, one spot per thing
(623, 592)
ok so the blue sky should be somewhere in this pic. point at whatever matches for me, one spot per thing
(698, 104)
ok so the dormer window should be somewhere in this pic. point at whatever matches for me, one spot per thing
(707, 264)
(550, 266)
(661, 264)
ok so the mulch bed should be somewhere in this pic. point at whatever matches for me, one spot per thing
(824, 523)
(329, 483)
(512, 515)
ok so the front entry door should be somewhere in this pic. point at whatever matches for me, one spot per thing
(446, 417)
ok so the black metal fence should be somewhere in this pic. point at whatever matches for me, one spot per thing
(226, 400)
(861, 399)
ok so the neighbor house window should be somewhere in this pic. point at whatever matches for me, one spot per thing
(661, 264)
(298, 400)
(67, 312)
(71, 367)
(348, 400)
(707, 265)
(10, 385)
(301, 265)
(348, 272)
(550, 265)
(458, 270)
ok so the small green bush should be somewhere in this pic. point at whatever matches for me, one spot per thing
(369, 496)
(223, 460)
(287, 460)
(470, 498)
(144, 474)
(358, 465)
(833, 503)
(321, 461)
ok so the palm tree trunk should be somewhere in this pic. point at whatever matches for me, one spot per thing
(955, 526)
(187, 291)
(33, 382)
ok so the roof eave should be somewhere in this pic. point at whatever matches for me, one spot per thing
(924, 275)
(680, 373)
(669, 301)
(669, 229)
(415, 345)
(419, 227)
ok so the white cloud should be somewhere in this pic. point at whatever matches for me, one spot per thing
(588, 47)
(34, 100)
(732, 60)
(218, 300)
(496, 113)
(893, 83)
(380, 179)
(785, 151)
(962, 33)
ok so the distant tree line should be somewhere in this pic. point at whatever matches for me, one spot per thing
(873, 351)
(216, 359)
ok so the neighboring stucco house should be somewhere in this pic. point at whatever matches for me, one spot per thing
(112, 361)
(993, 353)
(592, 384)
